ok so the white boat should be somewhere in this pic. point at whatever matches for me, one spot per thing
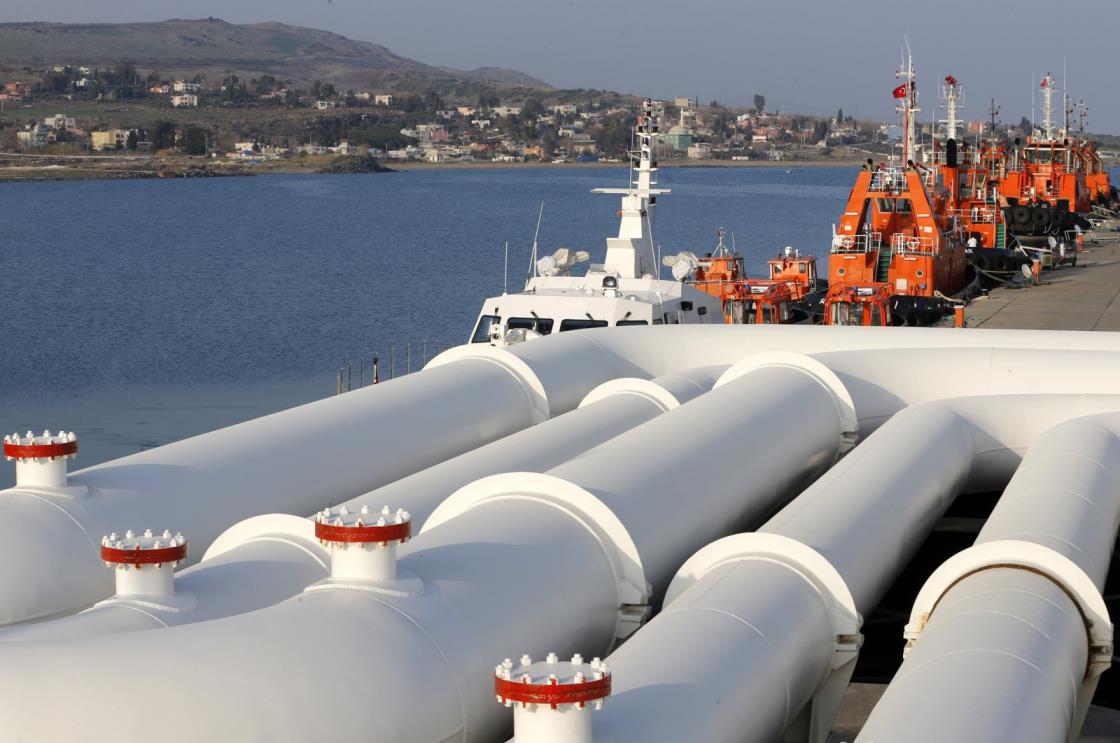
(625, 289)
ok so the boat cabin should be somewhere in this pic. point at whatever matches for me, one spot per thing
(867, 305)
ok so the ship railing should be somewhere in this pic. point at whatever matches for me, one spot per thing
(861, 243)
(910, 244)
(410, 357)
(888, 179)
(976, 215)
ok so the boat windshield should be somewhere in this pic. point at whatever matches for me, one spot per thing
(846, 313)
(482, 330)
(542, 325)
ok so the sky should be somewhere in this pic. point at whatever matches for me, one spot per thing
(808, 56)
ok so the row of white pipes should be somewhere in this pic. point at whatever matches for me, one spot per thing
(576, 558)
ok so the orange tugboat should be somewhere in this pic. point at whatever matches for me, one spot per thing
(1044, 183)
(898, 233)
(769, 301)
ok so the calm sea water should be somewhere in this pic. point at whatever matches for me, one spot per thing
(140, 312)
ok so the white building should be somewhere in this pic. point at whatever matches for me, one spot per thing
(184, 100)
(323, 105)
(182, 86)
(507, 110)
(59, 122)
(565, 109)
(383, 99)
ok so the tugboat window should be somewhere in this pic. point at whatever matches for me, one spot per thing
(482, 330)
(576, 324)
(542, 325)
(631, 322)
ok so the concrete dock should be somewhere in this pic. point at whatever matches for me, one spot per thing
(1081, 297)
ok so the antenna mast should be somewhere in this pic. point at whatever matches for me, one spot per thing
(1047, 88)
(993, 114)
(908, 104)
(952, 94)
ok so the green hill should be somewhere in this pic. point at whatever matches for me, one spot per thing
(213, 47)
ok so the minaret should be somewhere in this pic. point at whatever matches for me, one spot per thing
(631, 254)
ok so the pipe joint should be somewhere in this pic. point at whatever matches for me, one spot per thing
(804, 560)
(552, 699)
(1031, 557)
(363, 543)
(144, 563)
(841, 398)
(530, 382)
(41, 459)
(588, 511)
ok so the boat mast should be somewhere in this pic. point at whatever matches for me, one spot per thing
(631, 254)
(908, 106)
(1047, 88)
(951, 93)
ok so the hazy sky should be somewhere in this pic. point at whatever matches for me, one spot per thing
(805, 55)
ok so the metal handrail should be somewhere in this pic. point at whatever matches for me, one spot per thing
(861, 243)
(904, 244)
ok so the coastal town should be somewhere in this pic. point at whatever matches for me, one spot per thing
(72, 111)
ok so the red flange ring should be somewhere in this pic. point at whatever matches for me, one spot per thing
(364, 533)
(554, 693)
(40, 451)
(143, 556)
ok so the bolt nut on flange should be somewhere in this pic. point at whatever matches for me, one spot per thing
(41, 458)
(145, 562)
(363, 542)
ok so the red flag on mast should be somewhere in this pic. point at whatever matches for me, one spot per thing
(900, 91)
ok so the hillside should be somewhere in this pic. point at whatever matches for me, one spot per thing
(213, 46)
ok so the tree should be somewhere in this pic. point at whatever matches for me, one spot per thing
(840, 116)
(195, 141)
(130, 143)
(533, 107)
(759, 102)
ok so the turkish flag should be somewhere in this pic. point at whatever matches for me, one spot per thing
(900, 91)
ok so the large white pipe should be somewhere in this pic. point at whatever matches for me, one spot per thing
(324, 452)
(294, 461)
(760, 631)
(266, 559)
(1008, 638)
(538, 562)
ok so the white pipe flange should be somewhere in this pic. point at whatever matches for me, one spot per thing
(807, 562)
(841, 398)
(643, 388)
(590, 512)
(530, 382)
(1017, 554)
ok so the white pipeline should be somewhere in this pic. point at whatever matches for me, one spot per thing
(266, 559)
(1008, 638)
(539, 562)
(295, 462)
(760, 632)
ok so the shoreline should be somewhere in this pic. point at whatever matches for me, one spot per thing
(29, 169)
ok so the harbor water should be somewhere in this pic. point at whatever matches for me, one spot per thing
(140, 312)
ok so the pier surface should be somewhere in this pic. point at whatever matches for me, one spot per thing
(1081, 297)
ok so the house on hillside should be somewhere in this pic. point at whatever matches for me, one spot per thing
(382, 99)
(185, 100)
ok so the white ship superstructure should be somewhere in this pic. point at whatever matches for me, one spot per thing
(625, 289)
